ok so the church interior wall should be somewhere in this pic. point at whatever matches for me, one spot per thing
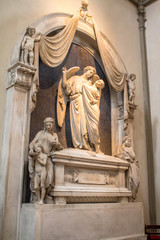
(153, 40)
(117, 20)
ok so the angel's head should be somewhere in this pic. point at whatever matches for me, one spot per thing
(48, 124)
(89, 71)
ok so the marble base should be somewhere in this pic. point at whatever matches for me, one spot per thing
(82, 222)
(86, 177)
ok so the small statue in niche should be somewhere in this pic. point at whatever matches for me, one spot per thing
(40, 175)
(126, 153)
(84, 93)
(131, 87)
(49, 142)
(27, 46)
(84, 11)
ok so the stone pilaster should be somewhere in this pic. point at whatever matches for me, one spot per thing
(148, 127)
(15, 146)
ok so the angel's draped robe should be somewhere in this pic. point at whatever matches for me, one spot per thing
(91, 97)
(77, 114)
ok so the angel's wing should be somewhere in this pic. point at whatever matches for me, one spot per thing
(72, 71)
(61, 104)
(62, 98)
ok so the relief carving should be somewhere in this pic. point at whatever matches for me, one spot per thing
(89, 177)
(21, 75)
(76, 176)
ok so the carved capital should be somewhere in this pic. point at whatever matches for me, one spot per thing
(141, 15)
(21, 75)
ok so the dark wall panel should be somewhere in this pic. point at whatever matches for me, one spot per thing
(47, 97)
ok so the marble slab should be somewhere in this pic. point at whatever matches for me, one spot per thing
(118, 221)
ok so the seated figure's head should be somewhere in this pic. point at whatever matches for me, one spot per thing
(127, 141)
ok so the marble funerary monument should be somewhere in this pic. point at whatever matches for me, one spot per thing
(71, 107)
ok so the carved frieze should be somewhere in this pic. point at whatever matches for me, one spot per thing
(90, 177)
(21, 75)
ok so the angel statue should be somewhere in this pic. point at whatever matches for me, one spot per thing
(83, 92)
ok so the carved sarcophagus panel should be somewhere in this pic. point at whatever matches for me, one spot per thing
(84, 176)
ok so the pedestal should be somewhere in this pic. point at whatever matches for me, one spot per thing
(116, 221)
(86, 177)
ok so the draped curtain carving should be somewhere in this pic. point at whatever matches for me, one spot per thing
(53, 51)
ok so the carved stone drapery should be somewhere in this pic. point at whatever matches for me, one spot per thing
(53, 51)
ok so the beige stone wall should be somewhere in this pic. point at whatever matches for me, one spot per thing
(153, 48)
(116, 19)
